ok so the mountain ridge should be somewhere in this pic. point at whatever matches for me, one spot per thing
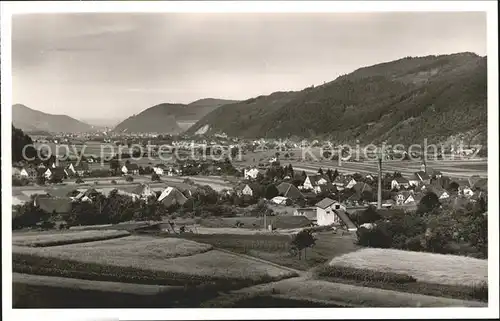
(402, 100)
(28, 119)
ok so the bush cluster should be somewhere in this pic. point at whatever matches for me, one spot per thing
(364, 274)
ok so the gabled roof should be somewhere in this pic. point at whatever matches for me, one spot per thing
(59, 191)
(140, 189)
(289, 190)
(314, 179)
(421, 175)
(324, 203)
(401, 180)
(360, 187)
(51, 205)
(171, 196)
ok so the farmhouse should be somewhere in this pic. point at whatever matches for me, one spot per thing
(405, 198)
(87, 195)
(309, 212)
(399, 182)
(314, 182)
(350, 182)
(325, 213)
(142, 191)
(290, 191)
(440, 192)
(160, 169)
(130, 169)
(252, 173)
(172, 196)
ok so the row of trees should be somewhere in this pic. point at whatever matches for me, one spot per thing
(434, 227)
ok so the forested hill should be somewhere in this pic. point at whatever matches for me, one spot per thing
(19, 140)
(402, 101)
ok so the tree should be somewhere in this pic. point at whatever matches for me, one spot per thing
(335, 174)
(79, 181)
(40, 180)
(271, 191)
(453, 187)
(370, 215)
(155, 177)
(320, 171)
(428, 203)
(302, 240)
(114, 165)
(129, 178)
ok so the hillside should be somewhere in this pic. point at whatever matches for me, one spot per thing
(19, 140)
(403, 101)
(170, 118)
(31, 120)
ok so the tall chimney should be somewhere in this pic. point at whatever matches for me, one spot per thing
(379, 194)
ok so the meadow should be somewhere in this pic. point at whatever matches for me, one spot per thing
(53, 239)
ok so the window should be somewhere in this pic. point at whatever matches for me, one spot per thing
(337, 206)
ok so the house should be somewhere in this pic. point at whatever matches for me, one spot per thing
(52, 173)
(130, 169)
(330, 212)
(252, 173)
(53, 205)
(160, 169)
(81, 169)
(172, 196)
(309, 212)
(248, 190)
(338, 181)
(404, 198)
(422, 177)
(281, 200)
(370, 177)
(414, 180)
(87, 195)
(314, 182)
(28, 172)
(440, 192)
(362, 187)
(324, 211)
(478, 195)
(350, 182)
(142, 191)
(399, 182)
(16, 171)
(290, 191)
(465, 191)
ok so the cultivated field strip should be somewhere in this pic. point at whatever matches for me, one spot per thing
(53, 239)
(425, 267)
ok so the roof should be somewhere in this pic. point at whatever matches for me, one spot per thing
(171, 196)
(361, 187)
(314, 179)
(59, 191)
(324, 203)
(51, 204)
(289, 190)
(421, 175)
(140, 189)
(481, 184)
(345, 218)
(401, 180)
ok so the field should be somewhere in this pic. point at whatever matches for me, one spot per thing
(425, 267)
(275, 247)
(53, 239)
(172, 259)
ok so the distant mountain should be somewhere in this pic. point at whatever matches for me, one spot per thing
(402, 101)
(98, 122)
(31, 120)
(170, 118)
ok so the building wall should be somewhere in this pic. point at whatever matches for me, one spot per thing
(326, 216)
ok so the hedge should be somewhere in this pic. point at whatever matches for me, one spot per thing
(364, 274)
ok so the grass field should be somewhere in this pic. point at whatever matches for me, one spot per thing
(140, 253)
(425, 267)
(55, 238)
(274, 247)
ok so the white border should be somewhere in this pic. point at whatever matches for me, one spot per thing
(9, 8)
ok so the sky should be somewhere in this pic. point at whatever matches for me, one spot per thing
(114, 65)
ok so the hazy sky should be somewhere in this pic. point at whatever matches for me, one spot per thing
(115, 65)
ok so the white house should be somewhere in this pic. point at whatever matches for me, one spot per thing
(325, 213)
(350, 183)
(466, 191)
(247, 190)
(399, 182)
(131, 169)
(251, 173)
(281, 200)
(159, 169)
(309, 212)
(314, 182)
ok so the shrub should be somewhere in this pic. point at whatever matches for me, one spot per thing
(79, 181)
(113, 182)
(20, 181)
(364, 274)
(129, 178)
(155, 177)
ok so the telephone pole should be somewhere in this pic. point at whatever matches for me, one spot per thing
(379, 192)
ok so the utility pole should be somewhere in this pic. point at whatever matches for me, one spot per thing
(379, 192)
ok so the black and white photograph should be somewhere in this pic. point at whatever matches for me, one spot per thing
(183, 156)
